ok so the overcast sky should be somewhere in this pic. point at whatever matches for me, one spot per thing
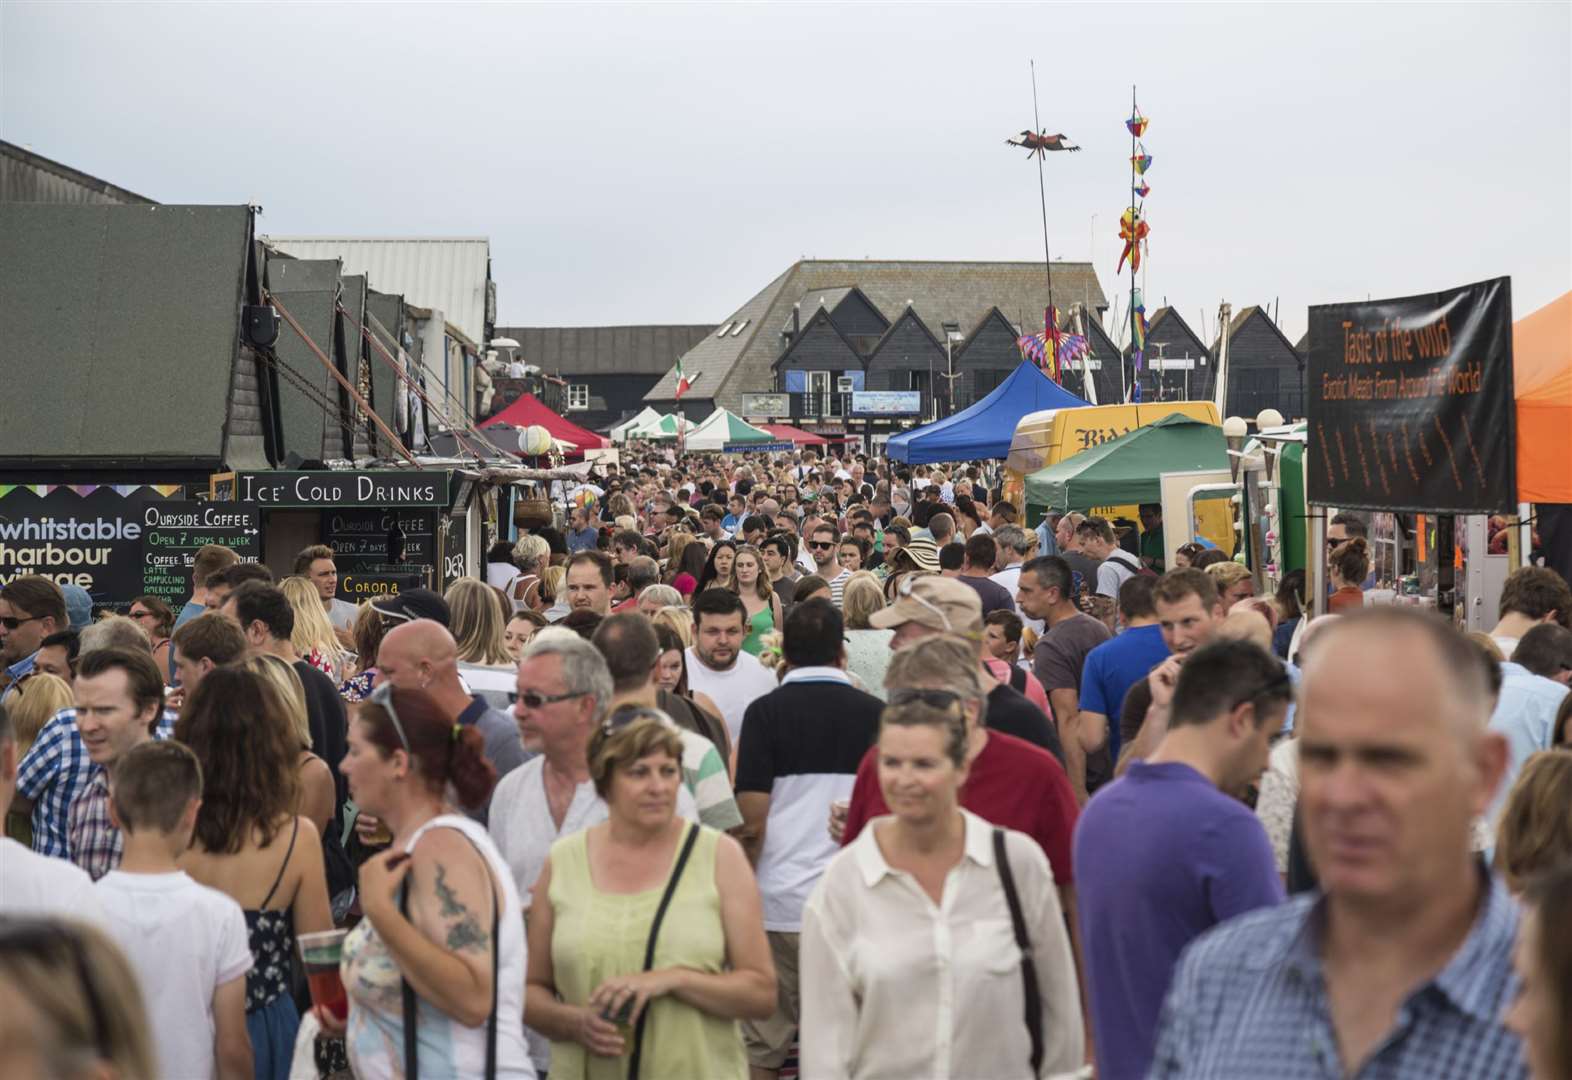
(654, 164)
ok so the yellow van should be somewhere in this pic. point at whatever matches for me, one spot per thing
(1048, 437)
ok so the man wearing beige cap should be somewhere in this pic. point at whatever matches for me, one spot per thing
(928, 604)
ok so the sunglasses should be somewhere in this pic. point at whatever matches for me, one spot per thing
(139, 614)
(937, 699)
(533, 699)
(11, 624)
(818, 546)
(624, 715)
(382, 697)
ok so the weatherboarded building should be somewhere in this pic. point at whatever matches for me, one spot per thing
(602, 372)
(823, 329)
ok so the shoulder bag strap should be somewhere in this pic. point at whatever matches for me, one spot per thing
(411, 1042)
(649, 947)
(1034, 1004)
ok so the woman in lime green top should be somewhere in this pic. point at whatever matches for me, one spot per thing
(590, 924)
(749, 581)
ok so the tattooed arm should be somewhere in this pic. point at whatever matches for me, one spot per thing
(444, 947)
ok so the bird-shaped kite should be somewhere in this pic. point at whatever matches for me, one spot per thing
(1133, 231)
(1053, 349)
(1040, 142)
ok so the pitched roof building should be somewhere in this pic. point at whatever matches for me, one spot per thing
(1264, 368)
(605, 370)
(32, 178)
(862, 302)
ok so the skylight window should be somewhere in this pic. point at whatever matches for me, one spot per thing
(740, 327)
(722, 331)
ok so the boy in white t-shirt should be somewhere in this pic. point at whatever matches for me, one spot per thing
(186, 942)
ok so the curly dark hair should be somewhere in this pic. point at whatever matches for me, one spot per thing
(240, 732)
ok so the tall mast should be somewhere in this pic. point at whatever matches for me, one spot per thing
(1042, 191)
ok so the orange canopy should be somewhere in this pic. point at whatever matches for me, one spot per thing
(1542, 374)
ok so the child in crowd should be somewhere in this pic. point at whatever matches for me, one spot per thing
(186, 942)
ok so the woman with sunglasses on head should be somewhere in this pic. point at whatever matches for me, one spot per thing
(70, 1006)
(916, 928)
(590, 990)
(251, 844)
(155, 616)
(441, 946)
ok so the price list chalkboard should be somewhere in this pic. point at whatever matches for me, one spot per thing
(360, 540)
(173, 533)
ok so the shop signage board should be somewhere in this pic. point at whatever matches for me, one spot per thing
(88, 535)
(886, 402)
(766, 404)
(173, 532)
(356, 586)
(455, 537)
(363, 539)
(758, 447)
(1411, 403)
(381, 488)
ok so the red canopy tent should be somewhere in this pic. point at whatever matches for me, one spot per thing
(528, 410)
(787, 433)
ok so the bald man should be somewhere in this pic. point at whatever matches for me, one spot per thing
(422, 655)
(1401, 964)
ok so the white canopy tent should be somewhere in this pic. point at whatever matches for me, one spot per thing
(722, 428)
(623, 431)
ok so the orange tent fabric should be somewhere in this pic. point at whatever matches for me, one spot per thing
(1542, 375)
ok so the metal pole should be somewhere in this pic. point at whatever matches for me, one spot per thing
(1042, 195)
(1134, 254)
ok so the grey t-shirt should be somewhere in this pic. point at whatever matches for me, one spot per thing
(1084, 570)
(1061, 651)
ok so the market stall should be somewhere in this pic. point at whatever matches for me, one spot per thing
(983, 430)
(645, 418)
(723, 430)
(528, 410)
(795, 436)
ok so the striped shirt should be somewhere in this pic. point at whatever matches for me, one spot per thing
(838, 586)
(55, 772)
(96, 844)
(1249, 1000)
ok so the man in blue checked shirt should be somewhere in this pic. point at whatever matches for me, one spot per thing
(1401, 967)
(57, 768)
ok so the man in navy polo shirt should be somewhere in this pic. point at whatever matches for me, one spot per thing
(1115, 666)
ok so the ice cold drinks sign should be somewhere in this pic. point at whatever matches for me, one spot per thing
(349, 488)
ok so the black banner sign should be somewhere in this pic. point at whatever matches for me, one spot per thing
(379, 541)
(93, 540)
(172, 533)
(455, 538)
(1411, 403)
(376, 488)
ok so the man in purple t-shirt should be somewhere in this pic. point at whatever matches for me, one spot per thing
(1166, 852)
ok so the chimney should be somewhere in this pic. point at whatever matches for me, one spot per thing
(796, 317)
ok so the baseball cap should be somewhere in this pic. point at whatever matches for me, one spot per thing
(79, 606)
(939, 603)
(414, 604)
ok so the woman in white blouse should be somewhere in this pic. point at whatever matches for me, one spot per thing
(910, 965)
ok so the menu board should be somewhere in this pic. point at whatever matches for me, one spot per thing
(364, 541)
(356, 586)
(173, 532)
(455, 537)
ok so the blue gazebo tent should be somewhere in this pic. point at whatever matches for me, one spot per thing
(984, 429)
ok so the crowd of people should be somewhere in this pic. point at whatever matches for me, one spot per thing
(773, 766)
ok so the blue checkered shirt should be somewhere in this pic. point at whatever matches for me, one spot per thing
(55, 772)
(1249, 1001)
(96, 843)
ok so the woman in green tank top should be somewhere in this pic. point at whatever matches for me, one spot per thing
(749, 581)
(589, 928)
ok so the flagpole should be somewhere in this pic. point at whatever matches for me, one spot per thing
(1134, 255)
(1042, 192)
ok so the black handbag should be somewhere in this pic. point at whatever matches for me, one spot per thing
(411, 1042)
(1034, 1001)
(649, 946)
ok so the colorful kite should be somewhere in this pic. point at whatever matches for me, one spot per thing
(1053, 350)
(1137, 124)
(1133, 231)
(1138, 328)
(1140, 161)
(1143, 191)
(1041, 143)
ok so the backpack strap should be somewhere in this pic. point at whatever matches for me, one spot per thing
(649, 946)
(1034, 1003)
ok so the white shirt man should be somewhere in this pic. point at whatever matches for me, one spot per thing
(717, 666)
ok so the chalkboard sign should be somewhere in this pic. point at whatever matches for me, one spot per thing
(356, 585)
(455, 539)
(366, 541)
(84, 536)
(173, 532)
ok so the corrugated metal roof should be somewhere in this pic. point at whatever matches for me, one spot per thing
(33, 178)
(448, 274)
